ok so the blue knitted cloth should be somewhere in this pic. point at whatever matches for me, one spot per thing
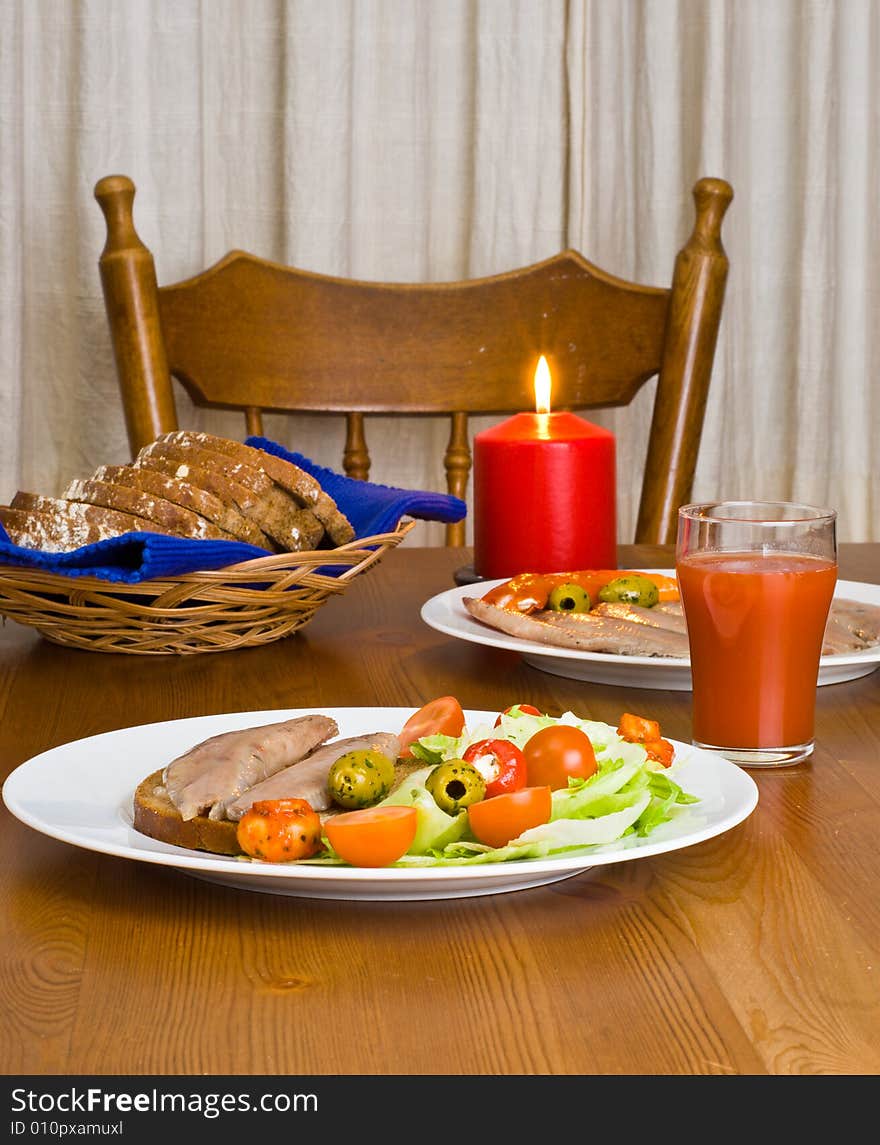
(133, 557)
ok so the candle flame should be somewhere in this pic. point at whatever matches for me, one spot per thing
(542, 386)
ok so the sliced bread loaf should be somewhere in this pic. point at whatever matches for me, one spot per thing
(189, 496)
(139, 503)
(299, 484)
(272, 508)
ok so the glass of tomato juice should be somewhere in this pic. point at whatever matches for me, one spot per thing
(756, 581)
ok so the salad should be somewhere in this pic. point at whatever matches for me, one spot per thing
(529, 786)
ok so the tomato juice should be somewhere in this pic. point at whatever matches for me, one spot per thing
(755, 624)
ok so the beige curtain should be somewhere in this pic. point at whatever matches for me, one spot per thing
(439, 139)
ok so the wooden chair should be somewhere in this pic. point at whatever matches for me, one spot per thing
(255, 335)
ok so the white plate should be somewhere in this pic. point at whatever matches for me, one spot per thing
(446, 613)
(81, 793)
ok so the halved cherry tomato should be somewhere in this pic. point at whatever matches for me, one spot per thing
(373, 837)
(525, 709)
(501, 764)
(495, 822)
(557, 753)
(442, 716)
(280, 830)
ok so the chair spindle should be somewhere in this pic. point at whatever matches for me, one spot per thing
(356, 458)
(253, 419)
(457, 462)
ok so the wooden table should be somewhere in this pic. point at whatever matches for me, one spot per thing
(755, 952)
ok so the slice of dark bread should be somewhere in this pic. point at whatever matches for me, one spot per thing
(173, 488)
(54, 525)
(278, 514)
(172, 518)
(301, 485)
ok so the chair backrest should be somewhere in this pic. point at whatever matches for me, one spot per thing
(255, 335)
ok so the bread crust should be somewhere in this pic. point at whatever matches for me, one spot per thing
(155, 815)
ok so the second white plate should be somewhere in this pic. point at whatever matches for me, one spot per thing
(446, 613)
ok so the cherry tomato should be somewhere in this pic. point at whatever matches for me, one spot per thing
(442, 716)
(373, 837)
(501, 764)
(495, 822)
(526, 709)
(557, 753)
(280, 830)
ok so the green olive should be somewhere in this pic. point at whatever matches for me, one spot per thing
(455, 785)
(360, 778)
(569, 598)
(630, 590)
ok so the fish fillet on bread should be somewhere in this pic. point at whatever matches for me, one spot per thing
(197, 800)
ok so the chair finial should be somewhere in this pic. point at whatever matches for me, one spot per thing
(115, 195)
(712, 198)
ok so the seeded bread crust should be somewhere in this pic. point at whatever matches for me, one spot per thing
(188, 496)
(54, 525)
(172, 518)
(301, 485)
(277, 513)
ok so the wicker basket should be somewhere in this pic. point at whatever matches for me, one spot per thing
(240, 606)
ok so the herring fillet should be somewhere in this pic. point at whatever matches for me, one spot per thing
(581, 630)
(219, 769)
(659, 616)
(307, 779)
(628, 630)
(852, 625)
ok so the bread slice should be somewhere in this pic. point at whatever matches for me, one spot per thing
(299, 484)
(172, 518)
(54, 525)
(279, 515)
(173, 488)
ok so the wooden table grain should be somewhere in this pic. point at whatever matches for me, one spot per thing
(757, 952)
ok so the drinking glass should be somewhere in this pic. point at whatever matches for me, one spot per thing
(756, 581)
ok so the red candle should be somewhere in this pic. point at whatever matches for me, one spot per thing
(544, 493)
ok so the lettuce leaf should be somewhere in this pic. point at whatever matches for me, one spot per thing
(604, 828)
